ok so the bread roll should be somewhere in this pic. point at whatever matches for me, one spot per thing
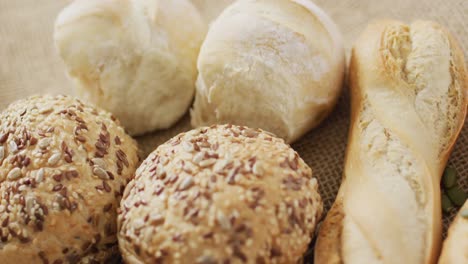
(271, 64)
(210, 9)
(136, 58)
(224, 194)
(63, 168)
(408, 94)
(455, 249)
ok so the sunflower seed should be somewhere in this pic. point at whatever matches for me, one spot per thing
(99, 162)
(187, 183)
(223, 221)
(54, 159)
(187, 146)
(14, 174)
(207, 162)
(12, 146)
(44, 143)
(220, 164)
(198, 157)
(102, 174)
(40, 175)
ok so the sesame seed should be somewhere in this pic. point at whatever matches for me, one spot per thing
(53, 160)
(223, 221)
(14, 174)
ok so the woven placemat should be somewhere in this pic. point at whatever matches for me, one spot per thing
(29, 65)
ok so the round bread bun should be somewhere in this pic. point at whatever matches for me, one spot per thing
(63, 168)
(271, 64)
(210, 9)
(136, 59)
(224, 194)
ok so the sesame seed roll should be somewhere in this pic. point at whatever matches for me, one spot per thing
(224, 194)
(63, 168)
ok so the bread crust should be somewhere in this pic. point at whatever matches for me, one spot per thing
(374, 76)
(455, 247)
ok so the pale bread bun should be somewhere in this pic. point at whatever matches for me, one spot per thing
(63, 168)
(409, 100)
(271, 64)
(455, 249)
(224, 194)
(136, 59)
(210, 9)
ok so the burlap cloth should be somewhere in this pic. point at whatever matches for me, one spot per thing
(29, 65)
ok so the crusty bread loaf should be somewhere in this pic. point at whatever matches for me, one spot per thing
(63, 168)
(455, 249)
(135, 58)
(277, 65)
(224, 194)
(409, 89)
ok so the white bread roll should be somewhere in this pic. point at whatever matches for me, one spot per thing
(455, 249)
(210, 9)
(409, 101)
(271, 64)
(136, 58)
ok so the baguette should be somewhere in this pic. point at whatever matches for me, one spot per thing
(455, 248)
(408, 105)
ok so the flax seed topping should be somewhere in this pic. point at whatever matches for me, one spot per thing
(219, 194)
(47, 178)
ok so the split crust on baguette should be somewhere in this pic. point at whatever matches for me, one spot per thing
(408, 104)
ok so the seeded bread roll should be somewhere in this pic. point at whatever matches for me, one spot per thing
(277, 65)
(409, 99)
(225, 194)
(136, 59)
(63, 168)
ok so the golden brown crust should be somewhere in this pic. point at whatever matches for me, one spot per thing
(378, 64)
(220, 194)
(63, 165)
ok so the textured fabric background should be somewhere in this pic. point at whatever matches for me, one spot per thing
(29, 65)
